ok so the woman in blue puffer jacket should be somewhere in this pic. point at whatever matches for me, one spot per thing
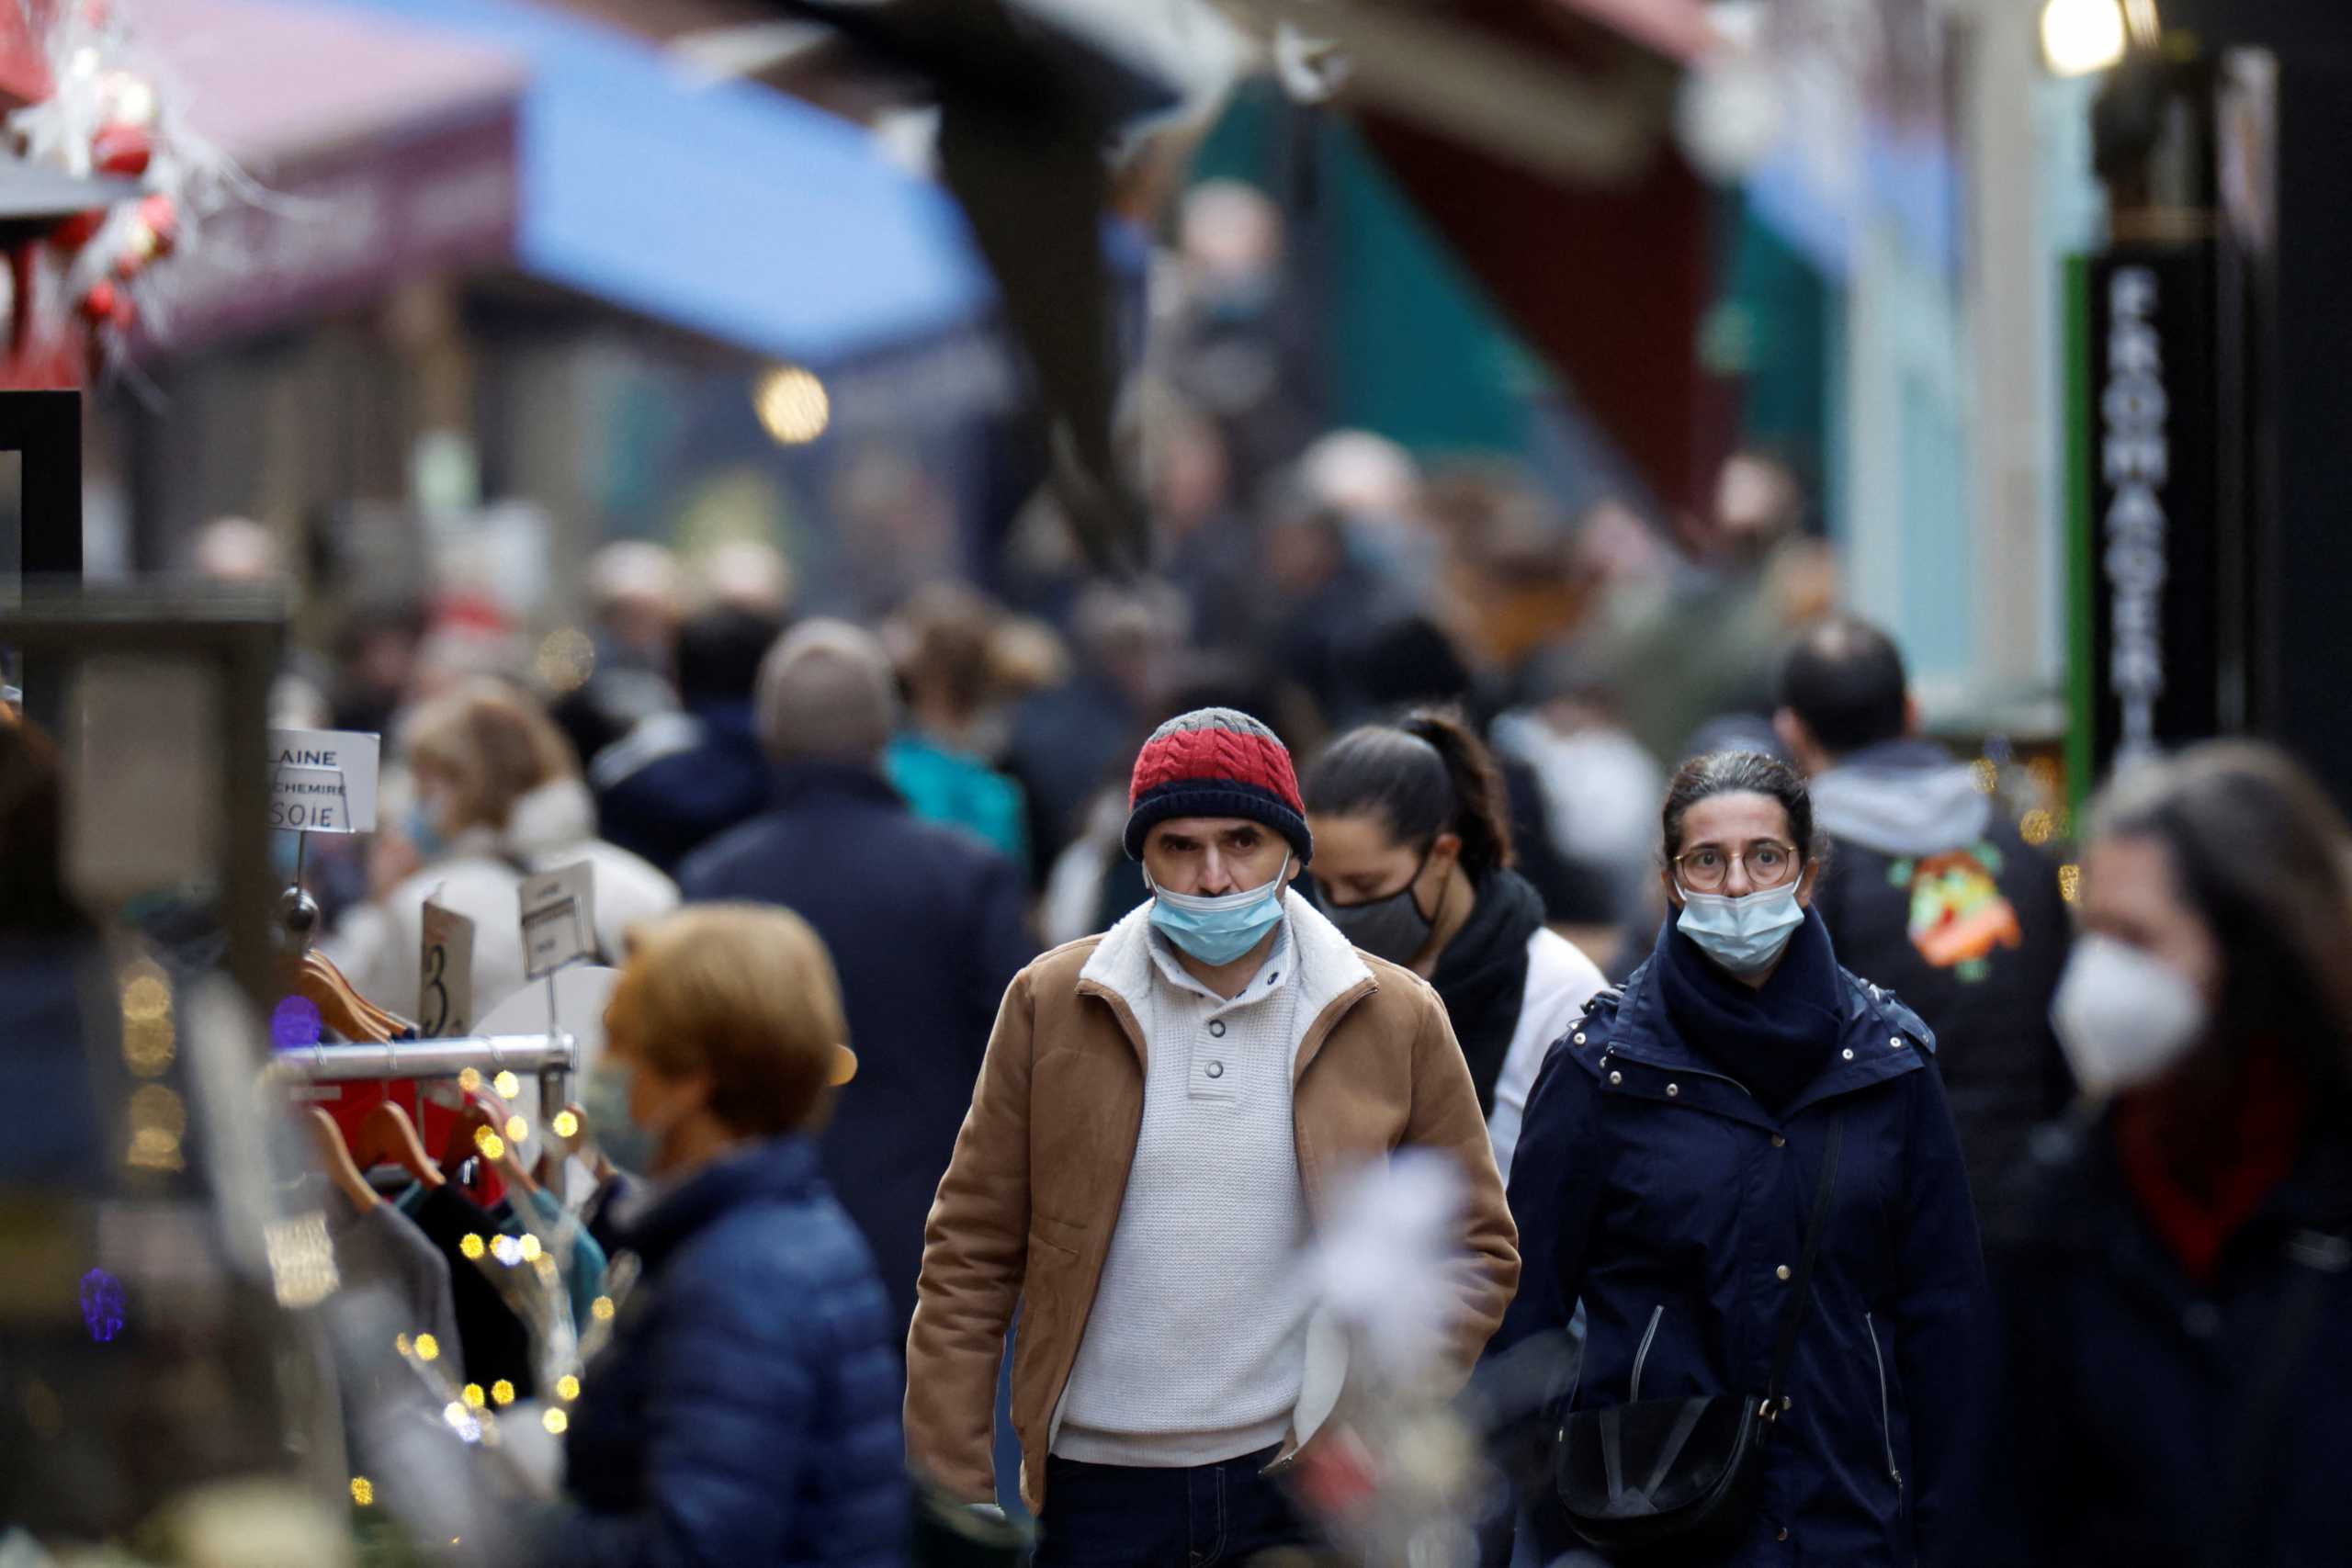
(746, 1411)
(1669, 1168)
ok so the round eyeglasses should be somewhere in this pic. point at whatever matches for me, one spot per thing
(1770, 863)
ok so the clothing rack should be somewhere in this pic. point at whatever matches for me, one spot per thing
(518, 1053)
(553, 1057)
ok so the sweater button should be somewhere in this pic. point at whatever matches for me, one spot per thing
(1783, 1535)
(1672, 1089)
(1896, 1042)
(1616, 1077)
(1779, 1142)
(1849, 1055)
(1215, 1069)
(1781, 1272)
(1216, 1027)
(1579, 1037)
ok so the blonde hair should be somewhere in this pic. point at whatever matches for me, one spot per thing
(493, 744)
(745, 993)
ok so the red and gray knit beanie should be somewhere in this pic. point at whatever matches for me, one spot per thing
(1216, 762)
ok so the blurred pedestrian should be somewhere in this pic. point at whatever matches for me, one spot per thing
(1072, 738)
(1744, 1168)
(2179, 1300)
(746, 1409)
(1751, 576)
(940, 758)
(680, 779)
(926, 925)
(1161, 1110)
(1929, 890)
(497, 797)
(636, 601)
(1599, 786)
(1412, 836)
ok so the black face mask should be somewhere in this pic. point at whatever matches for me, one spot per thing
(1393, 928)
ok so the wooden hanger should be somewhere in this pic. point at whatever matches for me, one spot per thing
(305, 971)
(388, 1137)
(337, 1158)
(485, 1110)
(341, 1007)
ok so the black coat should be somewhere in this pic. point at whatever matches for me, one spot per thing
(927, 926)
(2128, 1386)
(1967, 923)
(1666, 1199)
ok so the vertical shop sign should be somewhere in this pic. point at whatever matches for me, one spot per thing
(2155, 600)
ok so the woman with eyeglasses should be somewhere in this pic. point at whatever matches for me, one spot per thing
(1413, 864)
(1744, 1168)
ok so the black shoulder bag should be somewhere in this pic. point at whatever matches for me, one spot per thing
(1678, 1477)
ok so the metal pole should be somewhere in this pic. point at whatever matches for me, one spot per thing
(425, 1060)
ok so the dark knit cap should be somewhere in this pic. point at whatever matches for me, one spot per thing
(1216, 762)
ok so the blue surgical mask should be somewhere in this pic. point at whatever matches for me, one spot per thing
(604, 1098)
(1745, 935)
(424, 832)
(1218, 929)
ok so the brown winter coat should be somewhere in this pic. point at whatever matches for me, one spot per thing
(1039, 1175)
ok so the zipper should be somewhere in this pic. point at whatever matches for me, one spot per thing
(1886, 1415)
(1643, 1354)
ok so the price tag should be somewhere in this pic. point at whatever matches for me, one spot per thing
(559, 918)
(445, 1005)
(322, 781)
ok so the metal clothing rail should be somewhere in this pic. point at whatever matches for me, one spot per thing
(519, 1054)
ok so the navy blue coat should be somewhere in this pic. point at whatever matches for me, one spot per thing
(927, 926)
(747, 1409)
(2129, 1384)
(1660, 1192)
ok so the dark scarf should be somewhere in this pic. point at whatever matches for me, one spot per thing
(1482, 976)
(1773, 1039)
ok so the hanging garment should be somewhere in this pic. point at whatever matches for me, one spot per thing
(496, 1341)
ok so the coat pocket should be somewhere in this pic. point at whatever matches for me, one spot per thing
(1885, 1407)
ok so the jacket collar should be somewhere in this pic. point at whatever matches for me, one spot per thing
(1330, 974)
(773, 1168)
(812, 779)
(1879, 1038)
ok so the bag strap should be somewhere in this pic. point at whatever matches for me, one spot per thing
(1791, 1320)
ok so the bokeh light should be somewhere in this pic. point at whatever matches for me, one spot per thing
(793, 404)
(567, 656)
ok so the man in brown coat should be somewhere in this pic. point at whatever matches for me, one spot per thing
(1159, 1124)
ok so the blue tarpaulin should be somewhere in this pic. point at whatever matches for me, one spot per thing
(730, 211)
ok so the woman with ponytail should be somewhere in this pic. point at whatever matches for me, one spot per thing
(1413, 864)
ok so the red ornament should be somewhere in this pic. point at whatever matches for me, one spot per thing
(161, 216)
(128, 265)
(101, 302)
(74, 232)
(123, 149)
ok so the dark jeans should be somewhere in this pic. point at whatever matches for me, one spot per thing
(1109, 1516)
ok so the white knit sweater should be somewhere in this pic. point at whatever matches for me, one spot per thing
(1196, 1348)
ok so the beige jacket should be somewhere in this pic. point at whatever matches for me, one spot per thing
(1025, 1211)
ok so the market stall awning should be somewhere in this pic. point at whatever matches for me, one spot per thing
(1571, 201)
(729, 212)
(370, 154)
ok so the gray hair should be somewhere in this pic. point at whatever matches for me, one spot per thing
(827, 692)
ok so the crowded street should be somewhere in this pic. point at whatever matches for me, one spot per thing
(1174, 783)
